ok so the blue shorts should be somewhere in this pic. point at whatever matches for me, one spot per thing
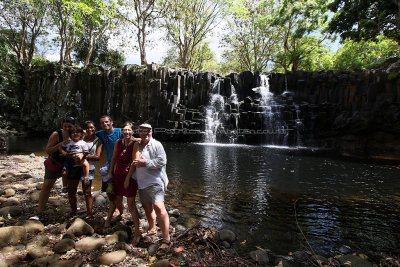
(91, 175)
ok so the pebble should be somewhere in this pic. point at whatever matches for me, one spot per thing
(14, 211)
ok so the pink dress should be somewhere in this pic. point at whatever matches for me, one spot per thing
(122, 162)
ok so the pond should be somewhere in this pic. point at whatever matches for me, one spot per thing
(267, 194)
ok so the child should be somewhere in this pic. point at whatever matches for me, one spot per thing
(75, 149)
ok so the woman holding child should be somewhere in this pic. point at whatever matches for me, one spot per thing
(119, 167)
(84, 166)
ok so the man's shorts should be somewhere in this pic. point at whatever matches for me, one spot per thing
(152, 194)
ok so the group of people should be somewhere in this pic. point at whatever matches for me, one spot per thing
(133, 164)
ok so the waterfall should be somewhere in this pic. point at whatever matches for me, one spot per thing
(213, 114)
(218, 115)
(274, 126)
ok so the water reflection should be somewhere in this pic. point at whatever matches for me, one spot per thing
(252, 190)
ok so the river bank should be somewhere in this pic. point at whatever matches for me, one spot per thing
(77, 242)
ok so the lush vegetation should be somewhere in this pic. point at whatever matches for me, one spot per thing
(267, 35)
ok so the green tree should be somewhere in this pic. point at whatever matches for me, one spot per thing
(296, 20)
(365, 54)
(365, 19)
(250, 35)
(187, 24)
(101, 54)
(110, 59)
(22, 22)
(309, 54)
(76, 17)
(9, 79)
(203, 58)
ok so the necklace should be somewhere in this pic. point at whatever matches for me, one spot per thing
(126, 145)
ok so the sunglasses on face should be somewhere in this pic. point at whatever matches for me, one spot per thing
(144, 131)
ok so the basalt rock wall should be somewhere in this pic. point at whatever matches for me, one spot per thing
(354, 113)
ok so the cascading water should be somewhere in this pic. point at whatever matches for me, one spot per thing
(213, 111)
(274, 126)
(217, 116)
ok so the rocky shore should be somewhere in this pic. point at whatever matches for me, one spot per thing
(60, 241)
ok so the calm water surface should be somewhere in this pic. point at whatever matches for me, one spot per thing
(257, 191)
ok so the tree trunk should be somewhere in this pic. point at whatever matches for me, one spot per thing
(142, 44)
(91, 47)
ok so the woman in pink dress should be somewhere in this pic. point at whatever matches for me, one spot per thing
(119, 168)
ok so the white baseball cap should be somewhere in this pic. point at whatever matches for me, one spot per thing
(145, 125)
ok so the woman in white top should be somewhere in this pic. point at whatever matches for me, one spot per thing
(95, 146)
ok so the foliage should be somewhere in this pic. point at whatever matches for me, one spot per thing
(9, 79)
(250, 36)
(365, 19)
(40, 61)
(187, 24)
(74, 18)
(203, 58)
(110, 59)
(273, 33)
(297, 20)
(22, 22)
(365, 54)
(310, 53)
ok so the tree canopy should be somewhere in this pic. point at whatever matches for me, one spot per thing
(365, 19)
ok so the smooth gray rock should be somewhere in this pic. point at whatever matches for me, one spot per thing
(36, 251)
(226, 235)
(180, 228)
(226, 244)
(40, 239)
(45, 261)
(64, 245)
(259, 256)
(112, 257)
(14, 211)
(19, 187)
(33, 226)
(34, 196)
(9, 192)
(99, 201)
(79, 227)
(174, 212)
(12, 235)
(354, 261)
(67, 263)
(118, 236)
(152, 249)
(89, 243)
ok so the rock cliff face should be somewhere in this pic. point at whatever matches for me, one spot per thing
(356, 114)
